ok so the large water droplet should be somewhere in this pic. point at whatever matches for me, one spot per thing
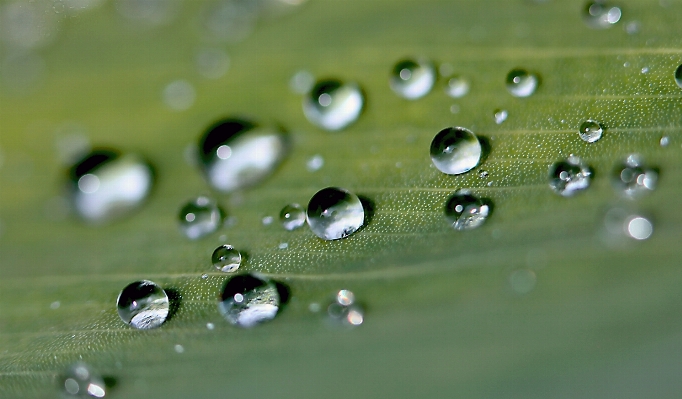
(143, 305)
(335, 213)
(332, 104)
(521, 83)
(457, 87)
(106, 184)
(620, 222)
(80, 380)
(465, 212)
(569, 177)
(199, 217)
(590, 131)
(678, 76)
(236, 153)
(292, 216)
(455, 150)
(633, 177)
(601, 15)
(226, 258)
(345, 311)
(413, 79)
(247, 300)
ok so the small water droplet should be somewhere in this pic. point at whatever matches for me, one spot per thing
(267, 220)
(345, 311)
(236, 154)
(81, 380)
(590, 131)
(569, 177)
(210, 326)
(283, 245)
(314, 307)
(247, 300)
(204, 276)
(645, 70)
(454, 108)
(200, 217)
(457, 87)
(633, 178)
(633, 27)
(522, 281)
(521, 83)
(55, 305)
(413, 79)
(302, 82)
(333, 104)
(226, 259)
(143, 305)
(678, 76)
(179, 348)
(464, 211)
(620, 222)
(335, 213)
(455, 150)
(106, 184)
(292, 216)
(665, 140)
(500, 115)
(483, 174)
(179, 95)
(601, 15)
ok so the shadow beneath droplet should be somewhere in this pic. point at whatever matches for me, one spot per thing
(174, 299)
(485, 148)
(109, 382)
(369, 207)
(284, 294)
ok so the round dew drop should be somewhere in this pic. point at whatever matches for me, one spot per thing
(143, 305)
(226, 259)
(455, 150)
(678, 76)
(457, 87)
(570, 176)
(413, 79)
(521, 83)
(590, 131)
(333, 105)
(80, 380)
(464, 211)
(200, 217)
(292, 217)
(335, 213)
(247, 300)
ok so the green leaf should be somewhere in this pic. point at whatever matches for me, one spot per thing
(442, 318)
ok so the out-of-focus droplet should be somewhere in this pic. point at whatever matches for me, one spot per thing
(212, 63)
(314, 163)
(455, 150)
(413, 78)
(664, 141)
(27, 24)
(601, 15)
(500, 116)
(149, 13)
(200, 217)
(292, 217)
(522, 281)
(81, 380)
(179, 95)
(621, 222)
(248, 300)
(463, 211)
(229, 20)
(457, 86)
(333, 105)
(521, 83)
(302, 82)
(633, 178)
(570, 176)
(143, 305)
(226, 258)
(633, 27)
(344, 310)
(335, 213)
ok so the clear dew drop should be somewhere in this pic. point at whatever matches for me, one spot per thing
(500, 115)
(521, 83)
(226, 258)
(236, 154)
(621, 222)
(81, 380)
(570, 176)
(106, 184)
(464, 211)
(664, 141)
(335, 213)
(333, 104)
(413, 79)
(633, 178)
(601, 15)
(590, 131)
(455, 150)
(143, 304)
(678, 76)
(200, 217)
(343, 310)
(247, 300)
(292, 217)
(457, 86)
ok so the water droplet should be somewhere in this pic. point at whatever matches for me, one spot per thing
(522, 281)
(210, 326)
(500, 116)
(665, 140)
(226, 259)
(457, 87)
(27, 25)
(632, 27)
(454, 108)
(292, 216)
(678, 76)
(212, 63)
(620, 222)
(601, 15)
(247, 300)
(335, 213)
(345, 311)
(634, 178)
(267, 220)
(179, 95)
(645, 70)
(237, 154)
(200, 217)
(55, 305)
(590, 131)
(302, 82)
(315, 163)
(569, 177)
(413, 79)
(143, 305)
(455, 150)
(283, 245)
(483, 174)
(81, 380)
(179, 348)
(105, 184)
(333, 104)
(204, 276)
(521, 83)
(464, 211)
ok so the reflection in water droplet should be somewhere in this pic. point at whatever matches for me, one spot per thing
(455, 150)
(678, 76)
(105, 184)
(521, 83)
(200, 217)
(522, 281)
(457, 87)
(335, 213)
(464, 211)
(412, 79)
(633, 178)
(226, 259)
(179, 95)
(332, 104)
(81, 380)
(236, 154)
(292, 216)
(569, 177)
(621, 222)
(590, 131)
(143, 305)
(601, 15)
(500, 115)
(212, 63)
(345, 311)
(247, 300)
